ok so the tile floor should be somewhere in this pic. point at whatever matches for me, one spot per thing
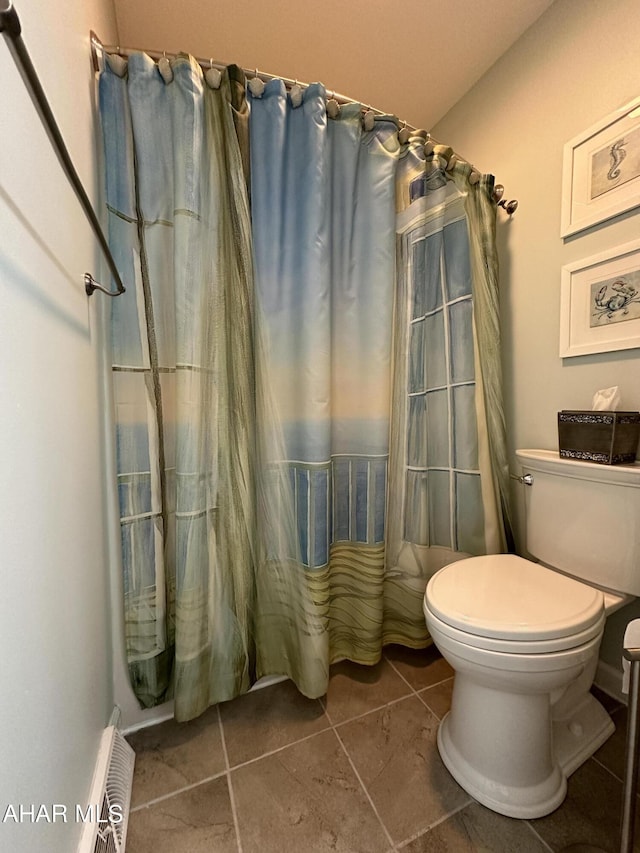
(355, 772)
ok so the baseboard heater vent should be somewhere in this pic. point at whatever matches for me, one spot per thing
(105, 829)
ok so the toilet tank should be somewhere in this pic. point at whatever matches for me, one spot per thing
(584, 518)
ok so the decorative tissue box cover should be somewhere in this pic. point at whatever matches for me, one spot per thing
(607, 437)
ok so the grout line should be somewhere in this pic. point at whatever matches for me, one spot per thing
(426, 704)
(417, 690)
(168, 796)
(279, 749)
(371, 711)
(359, 778)
(608, 769)
(364, 789)
(232, 798)
(330, 725)
(435, 684)
(538, 836)
(397, 672)
(422, 690)
(440, 820)
(398, 845)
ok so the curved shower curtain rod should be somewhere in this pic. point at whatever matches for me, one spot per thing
(98, 47)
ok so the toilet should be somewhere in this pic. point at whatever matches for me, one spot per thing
(523, 636)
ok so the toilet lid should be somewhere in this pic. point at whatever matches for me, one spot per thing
(508, 597)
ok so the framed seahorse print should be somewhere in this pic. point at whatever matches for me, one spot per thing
(600, 302)
(601, 171)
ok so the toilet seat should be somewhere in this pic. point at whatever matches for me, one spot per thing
(541, 649)
(505, 603)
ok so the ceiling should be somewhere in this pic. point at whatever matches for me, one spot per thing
(414, 59)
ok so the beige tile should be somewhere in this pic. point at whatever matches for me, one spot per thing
(355, 689)
(172, 755)
(268, 719)
(478, 830)
(438, 698)
(421, 667)
(305, 799)
(589, 815)
(395, 753)
(199, 820)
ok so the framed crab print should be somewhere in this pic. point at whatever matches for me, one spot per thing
(600, 302)
(601, 170)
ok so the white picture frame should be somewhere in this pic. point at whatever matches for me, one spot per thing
(601, 171)
(600, 302)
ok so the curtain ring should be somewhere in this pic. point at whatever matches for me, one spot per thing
(256, 86)
(213, 76)
(295, 94)
(333, 107)
(164, 67)
(369, 119)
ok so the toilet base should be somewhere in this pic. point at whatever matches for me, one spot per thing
(568, 744)
(577, 737)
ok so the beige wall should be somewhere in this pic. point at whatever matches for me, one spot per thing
(577, 64)
(374, 51)
(54, 617)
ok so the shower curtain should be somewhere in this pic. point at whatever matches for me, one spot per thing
(448, 480)
(324, 241)
(182, 380)
(265, 529)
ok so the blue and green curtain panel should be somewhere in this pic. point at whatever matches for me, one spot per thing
(304, 419)
(448, 479)
(185, 395)
(323, 201)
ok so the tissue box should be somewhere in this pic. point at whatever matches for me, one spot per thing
(607, 437)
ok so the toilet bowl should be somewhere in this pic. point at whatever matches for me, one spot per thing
(523, 641)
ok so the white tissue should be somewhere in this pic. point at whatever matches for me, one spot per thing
(631, 641)
(606, 400)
